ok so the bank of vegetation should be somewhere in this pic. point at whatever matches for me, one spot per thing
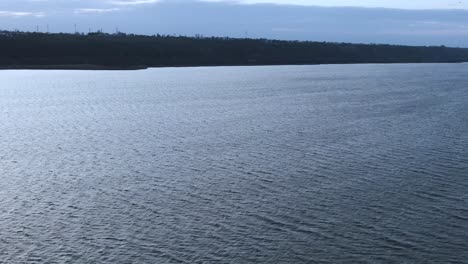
(128, 51)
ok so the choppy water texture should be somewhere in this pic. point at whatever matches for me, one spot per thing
(303, 164)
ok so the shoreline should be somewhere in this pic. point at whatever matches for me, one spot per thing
(92, 67)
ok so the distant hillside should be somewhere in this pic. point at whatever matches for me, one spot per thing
(123, 51)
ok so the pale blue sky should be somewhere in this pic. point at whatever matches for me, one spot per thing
(404, 4)
(412, 22)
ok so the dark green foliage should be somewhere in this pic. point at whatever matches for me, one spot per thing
(122, 50)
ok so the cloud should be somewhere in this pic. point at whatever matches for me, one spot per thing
(95, 10)
(133, 2)
(21, 14)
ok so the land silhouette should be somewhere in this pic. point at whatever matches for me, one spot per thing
(97, 50)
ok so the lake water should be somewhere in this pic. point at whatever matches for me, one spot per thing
(286, 164)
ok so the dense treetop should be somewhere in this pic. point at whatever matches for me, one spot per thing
(23, 49)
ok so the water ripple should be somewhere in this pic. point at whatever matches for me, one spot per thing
(300, 164)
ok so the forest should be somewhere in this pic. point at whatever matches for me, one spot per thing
(128, 51)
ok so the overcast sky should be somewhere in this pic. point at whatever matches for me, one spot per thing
(414, 22)
(401, 4)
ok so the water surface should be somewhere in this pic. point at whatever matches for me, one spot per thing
(285, 164)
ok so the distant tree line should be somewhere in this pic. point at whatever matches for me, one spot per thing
(121, 50)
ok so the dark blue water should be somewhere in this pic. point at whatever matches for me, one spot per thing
(293, 164)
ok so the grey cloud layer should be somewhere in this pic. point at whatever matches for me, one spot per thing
(188, 17)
